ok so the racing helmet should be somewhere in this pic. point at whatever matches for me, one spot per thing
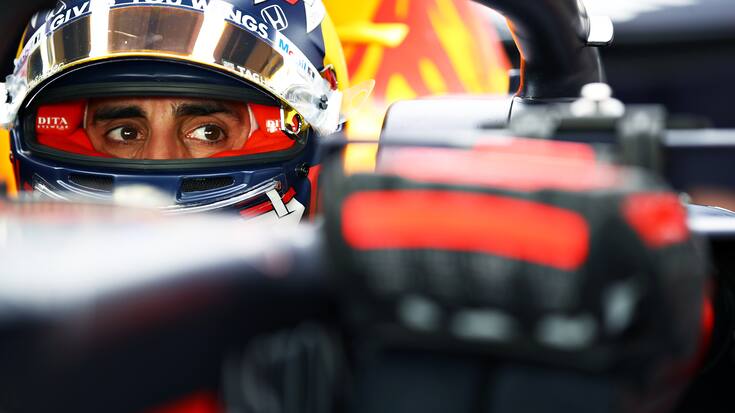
(85, 66)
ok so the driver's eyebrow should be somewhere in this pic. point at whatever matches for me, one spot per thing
(118, 112)
(203, 109)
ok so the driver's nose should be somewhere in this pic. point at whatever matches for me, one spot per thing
(164, 144)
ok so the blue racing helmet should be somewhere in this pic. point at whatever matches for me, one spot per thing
(217, 104)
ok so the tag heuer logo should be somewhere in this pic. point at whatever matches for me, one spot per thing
(275, 16)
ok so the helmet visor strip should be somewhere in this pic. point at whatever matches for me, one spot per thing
(217, 36)
(163, 128)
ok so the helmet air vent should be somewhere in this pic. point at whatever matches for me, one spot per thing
(206, 183)
(90, 181)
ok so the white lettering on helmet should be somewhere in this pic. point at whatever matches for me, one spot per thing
(272, 125)
(64, 14)
(291, 50)
(52, 123)
(246, 73)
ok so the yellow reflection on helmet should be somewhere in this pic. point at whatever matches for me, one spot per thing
(6, 168)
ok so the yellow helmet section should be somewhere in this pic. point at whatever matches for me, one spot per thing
(7, 173)
(415, 48)
(6, 168)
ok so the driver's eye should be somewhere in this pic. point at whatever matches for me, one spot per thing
(123, 134)
(207, 133)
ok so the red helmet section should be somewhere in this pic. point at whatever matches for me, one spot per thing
(60, 126)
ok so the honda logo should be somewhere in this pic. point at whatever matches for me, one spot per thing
(275, 15)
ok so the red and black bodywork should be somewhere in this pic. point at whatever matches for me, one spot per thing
(448, 288)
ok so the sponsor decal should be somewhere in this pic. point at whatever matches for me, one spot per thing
(64, 15)
(54, 20)
(237, 16)
(289, 49)
(272, 125)
(41, 76)
(275, 15)
(58, 123)
(246, 73)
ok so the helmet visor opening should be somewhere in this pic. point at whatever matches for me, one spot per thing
(160, 128)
